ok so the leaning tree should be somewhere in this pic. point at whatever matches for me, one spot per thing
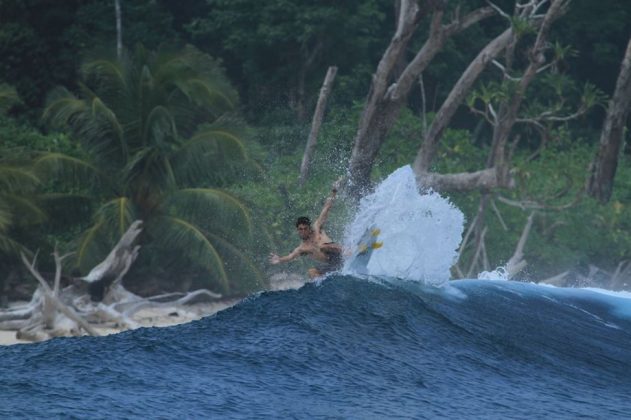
(603, 168)
(501, 84)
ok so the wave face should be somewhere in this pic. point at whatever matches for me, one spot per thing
(351, 348)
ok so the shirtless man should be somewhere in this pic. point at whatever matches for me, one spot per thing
(315, 243)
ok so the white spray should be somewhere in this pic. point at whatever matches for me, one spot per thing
(420, 232)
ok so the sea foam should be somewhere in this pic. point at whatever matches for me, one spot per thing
(420, 232)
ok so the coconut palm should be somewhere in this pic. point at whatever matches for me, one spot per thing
(161, 142)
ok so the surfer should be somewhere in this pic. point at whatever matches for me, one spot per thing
(315, 243)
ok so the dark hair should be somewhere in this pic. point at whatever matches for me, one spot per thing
(303, 221)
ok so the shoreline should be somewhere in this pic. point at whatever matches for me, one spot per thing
(165, 316)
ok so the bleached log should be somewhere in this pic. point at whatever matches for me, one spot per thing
(9, 315)
(14, 325)
(558, 280)
(108, 313)
(69, 312)
(118, 259)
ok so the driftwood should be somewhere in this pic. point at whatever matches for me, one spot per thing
(98, 300)
(620, 279)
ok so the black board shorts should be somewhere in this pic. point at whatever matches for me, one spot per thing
(333, 263)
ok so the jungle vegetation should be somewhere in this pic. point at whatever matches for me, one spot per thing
(197, 125)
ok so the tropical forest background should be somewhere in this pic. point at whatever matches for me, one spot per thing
(194, 117)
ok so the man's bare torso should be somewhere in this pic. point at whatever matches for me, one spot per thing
(317, 246)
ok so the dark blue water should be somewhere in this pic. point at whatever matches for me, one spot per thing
(346, 348)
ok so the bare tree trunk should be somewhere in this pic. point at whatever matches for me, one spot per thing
(605, 163)
(498, 172)
(387, 96)
(517, 262)
(316, 123)
(508, 112)
(454, 100)
(119, 29)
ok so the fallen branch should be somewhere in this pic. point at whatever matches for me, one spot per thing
(517, 263)
(77, 309)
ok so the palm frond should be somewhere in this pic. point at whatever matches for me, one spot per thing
(190, 241)
(213, 209)
(17, 178)
(70, 169)
(29, 212)
(99, 109)
(91, 121)
(203, 93)
(63, 108)
(149, 172)
(6, 216)
(160, 129)
(243, 274)
(91, 248)
(9, 246)
(109, 74)
(216, 154)
(117, 214)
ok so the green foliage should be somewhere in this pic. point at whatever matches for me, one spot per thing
(8, 97)
(599, 30)
(157, 130)
(254, 36)
(278, 200)
(27, 203)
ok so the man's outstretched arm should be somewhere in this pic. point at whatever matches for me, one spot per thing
(275, 259)
(321, 220)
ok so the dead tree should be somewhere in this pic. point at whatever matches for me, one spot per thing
(502, 116)
(388, 92)
(457, 95)
(92, 302)
(603, 168)
(318, 115)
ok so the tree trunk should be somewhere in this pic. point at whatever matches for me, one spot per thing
(461, 89)
(603, 168)
(119, 29)
(498, 172)
(385, 99)
(316, 123)
(508, 112)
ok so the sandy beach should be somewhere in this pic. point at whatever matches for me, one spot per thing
(155, 317)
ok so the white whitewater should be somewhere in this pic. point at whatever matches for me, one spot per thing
(420, 232)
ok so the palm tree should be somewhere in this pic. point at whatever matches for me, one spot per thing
(158, 131)
(20, 204)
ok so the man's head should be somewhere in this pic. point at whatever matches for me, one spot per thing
(303, 226)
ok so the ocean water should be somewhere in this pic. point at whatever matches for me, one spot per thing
(399, 342)
(347, 347)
